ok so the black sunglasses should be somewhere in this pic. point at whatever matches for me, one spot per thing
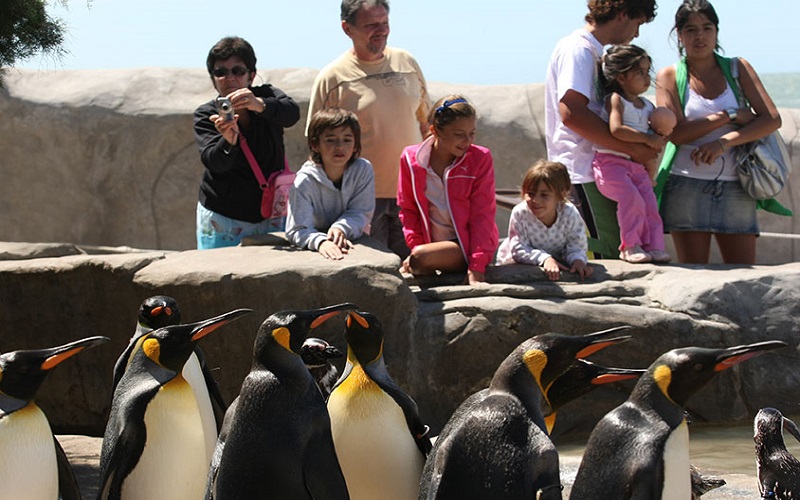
(236, 70)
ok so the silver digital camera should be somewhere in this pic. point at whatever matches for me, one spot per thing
(225, 108)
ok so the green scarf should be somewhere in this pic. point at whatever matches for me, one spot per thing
(682, 82)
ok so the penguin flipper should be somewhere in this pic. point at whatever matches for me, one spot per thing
(218, 402)
(219, 448)
(321, 470)
(126, 434)
(67, 485)
(419, 431)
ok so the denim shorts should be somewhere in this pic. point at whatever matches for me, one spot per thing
(707, 206)
(216, 231)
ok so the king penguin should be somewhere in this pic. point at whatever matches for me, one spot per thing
(641, 448)
(160, 311)
(379, 437)
(276, 440)
(155, 441)
(32, 462)
(579, 379)
(778, 470)
(495, 445)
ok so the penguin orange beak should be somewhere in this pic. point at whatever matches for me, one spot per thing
(734, 355)
(599, 341)
(616, 375)
(329, 312)
(203, 328)
(56, 355)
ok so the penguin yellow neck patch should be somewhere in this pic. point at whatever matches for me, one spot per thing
(663, 377)
(152, 349)
(535, 360)
(283, 337)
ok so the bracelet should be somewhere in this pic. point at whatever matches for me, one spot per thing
(721, 144)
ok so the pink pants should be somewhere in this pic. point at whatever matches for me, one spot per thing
(628, 183)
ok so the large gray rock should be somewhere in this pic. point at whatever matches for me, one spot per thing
(443, 342)
(107, 157)
(464, 333)
(50, 301)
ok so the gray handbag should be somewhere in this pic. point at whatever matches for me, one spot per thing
(763, 165)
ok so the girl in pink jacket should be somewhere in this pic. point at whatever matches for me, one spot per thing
(446, 196)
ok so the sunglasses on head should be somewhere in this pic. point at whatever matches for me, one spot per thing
(236, 70)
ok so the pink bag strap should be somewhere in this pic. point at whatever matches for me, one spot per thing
(254, 164)
(262, 181)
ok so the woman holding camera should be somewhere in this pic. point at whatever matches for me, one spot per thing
(229, 206)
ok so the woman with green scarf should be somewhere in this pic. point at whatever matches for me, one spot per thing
(702, 195)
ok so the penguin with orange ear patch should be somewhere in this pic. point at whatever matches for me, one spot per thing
(276, 438)
(155, 443)
(641, 448)
(495, 445)
(379, 437)
(32, 462)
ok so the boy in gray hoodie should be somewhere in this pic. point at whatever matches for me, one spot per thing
(333, 197)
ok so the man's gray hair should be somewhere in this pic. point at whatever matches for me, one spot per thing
(350, 8)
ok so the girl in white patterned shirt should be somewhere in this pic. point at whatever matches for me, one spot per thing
(545, 229)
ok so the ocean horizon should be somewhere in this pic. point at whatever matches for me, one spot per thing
(784, 88)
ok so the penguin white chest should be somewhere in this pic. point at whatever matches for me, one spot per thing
(27, 456)
(376, 451)
(193, 373)
(677, 479)
(175, 460)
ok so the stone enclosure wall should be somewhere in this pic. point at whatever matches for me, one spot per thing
(442, 342)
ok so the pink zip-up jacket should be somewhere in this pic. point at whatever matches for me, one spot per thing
(469, 184)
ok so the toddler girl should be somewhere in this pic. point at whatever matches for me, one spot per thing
(624, 77)
(446, 196)
(333, 196)
(545, 229)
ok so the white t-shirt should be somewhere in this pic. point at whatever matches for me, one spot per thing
(573, 66)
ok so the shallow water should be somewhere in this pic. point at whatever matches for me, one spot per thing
(717, 448)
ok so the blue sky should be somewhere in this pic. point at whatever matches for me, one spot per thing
(467, 41)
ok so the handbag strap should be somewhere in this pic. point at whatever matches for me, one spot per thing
(262, 181)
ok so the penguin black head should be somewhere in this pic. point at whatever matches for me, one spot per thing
(22, 372)
(316, 352)
(582, 377)
(549, 354)
(159, 311)
(289, 329)
(768, 427)
(364, 335)
(172, 345)
(680, 373)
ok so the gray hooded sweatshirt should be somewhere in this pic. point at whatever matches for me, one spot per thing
(316, 205)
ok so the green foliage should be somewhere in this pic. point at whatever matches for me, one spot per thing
(26, 29)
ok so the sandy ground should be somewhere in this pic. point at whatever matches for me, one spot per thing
(84, 455)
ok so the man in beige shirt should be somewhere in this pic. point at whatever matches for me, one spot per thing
(385, 88)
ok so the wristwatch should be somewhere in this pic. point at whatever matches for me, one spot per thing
(731, 112)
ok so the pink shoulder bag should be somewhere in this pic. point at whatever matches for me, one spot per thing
(275, 190)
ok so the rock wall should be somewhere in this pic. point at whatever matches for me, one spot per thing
(107, 157)
(443, 342)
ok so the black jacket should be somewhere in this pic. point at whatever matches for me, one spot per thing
(229, 186)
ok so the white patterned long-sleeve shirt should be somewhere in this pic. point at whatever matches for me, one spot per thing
(531, 242)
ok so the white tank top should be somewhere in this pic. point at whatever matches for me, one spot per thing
(698, 107)
(636, 118)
